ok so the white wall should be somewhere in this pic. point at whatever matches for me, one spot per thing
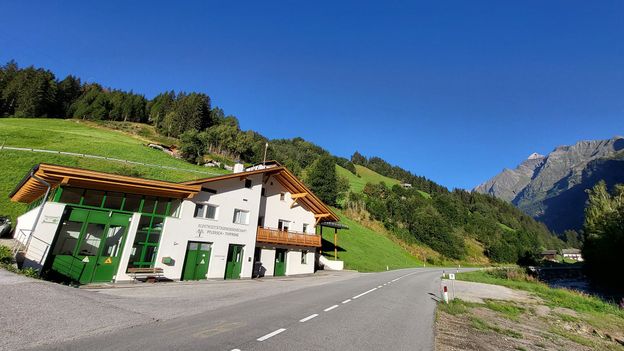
(267, 257)
(294, 265)
(279, 209)
(177, 232)
(40, 243)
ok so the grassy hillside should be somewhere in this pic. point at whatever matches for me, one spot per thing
(366, 250)
(364, 175)
(76, 136)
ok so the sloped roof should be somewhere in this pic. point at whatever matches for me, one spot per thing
(30, 189)
(290, 182)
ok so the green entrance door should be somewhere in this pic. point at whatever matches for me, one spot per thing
(196, 261)
(89, 244)
(280, 262)
(234, 262)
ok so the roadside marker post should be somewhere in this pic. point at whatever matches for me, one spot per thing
(445, 295)
(452, 278)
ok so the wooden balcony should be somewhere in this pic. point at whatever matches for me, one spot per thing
(275, 236)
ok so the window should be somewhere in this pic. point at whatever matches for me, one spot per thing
(199, 210)
(205, 211)
(71, 195)
(133, 203)
(304, 257)
(145, 246)
(149, 203)
(93, 198)
(282, 196)
(248, 183)
(241, 216)
(113, 201)
(92, 239)
(68, 237)
(283, 225)
(305, 227)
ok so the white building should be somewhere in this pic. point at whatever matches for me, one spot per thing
(100, 227)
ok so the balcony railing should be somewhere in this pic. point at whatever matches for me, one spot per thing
(275, 236)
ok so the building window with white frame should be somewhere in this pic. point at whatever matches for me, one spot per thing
(241, 216)
(305, 227)
(206, 211)
(282, 196)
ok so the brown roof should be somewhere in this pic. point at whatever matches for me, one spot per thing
(29, 189)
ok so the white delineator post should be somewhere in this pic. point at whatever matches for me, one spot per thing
(445, 295)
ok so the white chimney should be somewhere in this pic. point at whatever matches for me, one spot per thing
(239, 167)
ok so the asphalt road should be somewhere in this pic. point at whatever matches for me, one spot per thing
(382, 311)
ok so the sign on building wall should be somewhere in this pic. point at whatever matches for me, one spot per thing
(210, 229)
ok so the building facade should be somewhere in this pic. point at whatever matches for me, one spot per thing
(94, 227)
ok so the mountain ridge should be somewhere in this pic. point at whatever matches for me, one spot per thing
(539, 185)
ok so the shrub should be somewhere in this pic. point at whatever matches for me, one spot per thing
(6, 255)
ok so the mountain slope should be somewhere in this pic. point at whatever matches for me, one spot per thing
(552, 188)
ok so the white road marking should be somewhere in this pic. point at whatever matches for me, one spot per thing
(308, 318)
(364, 293)
(235, 349)
(346, 301)
(381, 286)
(330, 308)
(270, 335)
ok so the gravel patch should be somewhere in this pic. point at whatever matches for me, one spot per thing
(478, 292)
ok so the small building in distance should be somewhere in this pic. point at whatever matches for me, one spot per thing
(550, 255)
(572, 254)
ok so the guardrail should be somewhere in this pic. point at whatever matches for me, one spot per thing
(75, 154)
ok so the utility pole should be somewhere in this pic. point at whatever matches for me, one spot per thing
(266, 147)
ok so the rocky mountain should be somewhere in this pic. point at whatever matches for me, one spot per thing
(552, 188)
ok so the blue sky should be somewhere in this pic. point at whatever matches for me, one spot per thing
(452, 90)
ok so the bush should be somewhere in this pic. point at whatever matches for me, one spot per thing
(30, 272)
(6, 255)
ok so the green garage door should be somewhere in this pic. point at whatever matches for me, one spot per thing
(89, 245)
(196, 261)
(234, 262)
(280, 262)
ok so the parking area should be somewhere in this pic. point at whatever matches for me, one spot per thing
(36, 311)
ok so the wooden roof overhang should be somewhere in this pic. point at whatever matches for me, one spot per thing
(299, 192)
(30, 189)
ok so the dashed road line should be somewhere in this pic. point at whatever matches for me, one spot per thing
(364, 293)
(330, 308)
(271, 334)
(308, 317)
(346, 301)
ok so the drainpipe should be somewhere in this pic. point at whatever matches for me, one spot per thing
(45, 198)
